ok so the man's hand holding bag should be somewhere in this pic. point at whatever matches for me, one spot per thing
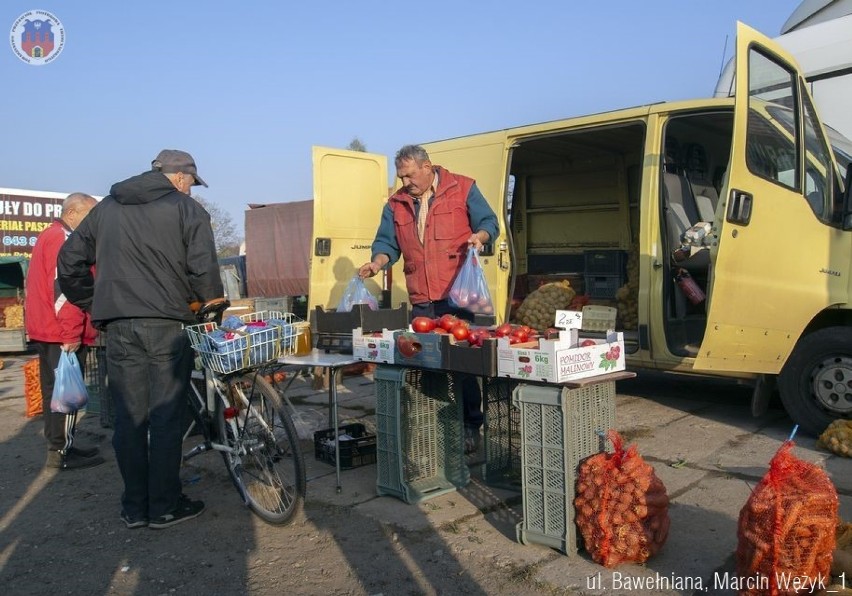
(69, 389)
(469, 290)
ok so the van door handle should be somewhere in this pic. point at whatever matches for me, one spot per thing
(657, 265)
(739, 207)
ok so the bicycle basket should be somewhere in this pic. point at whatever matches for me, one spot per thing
(228, 349)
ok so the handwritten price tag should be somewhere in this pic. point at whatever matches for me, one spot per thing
(569, 319)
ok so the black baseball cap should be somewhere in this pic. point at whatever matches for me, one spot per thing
(172, 161)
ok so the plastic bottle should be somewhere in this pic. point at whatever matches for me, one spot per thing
(689, 288)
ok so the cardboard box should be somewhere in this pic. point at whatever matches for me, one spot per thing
(563, 359)
(432, 353)
(369, 348)
(480, 361)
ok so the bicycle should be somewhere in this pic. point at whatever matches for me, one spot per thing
(242, 416)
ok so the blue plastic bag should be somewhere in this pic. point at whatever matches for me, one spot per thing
(357, 293)
(69, 388)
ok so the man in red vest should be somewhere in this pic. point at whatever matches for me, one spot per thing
(431, 221)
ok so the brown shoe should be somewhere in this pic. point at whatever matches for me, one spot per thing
(70, 461)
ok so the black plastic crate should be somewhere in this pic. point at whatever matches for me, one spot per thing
(603, 286)
(604, 262)
(360, 450)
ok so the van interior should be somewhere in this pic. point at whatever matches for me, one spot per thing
(577, 210)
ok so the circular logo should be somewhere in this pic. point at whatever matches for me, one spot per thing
(37, 37)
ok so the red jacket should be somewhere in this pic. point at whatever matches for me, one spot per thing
(431, 266)
(49, 316)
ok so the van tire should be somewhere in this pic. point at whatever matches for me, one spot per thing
(819, 360)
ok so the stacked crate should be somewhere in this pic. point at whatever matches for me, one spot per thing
(502, 467)
(420, 437)
(605, 272)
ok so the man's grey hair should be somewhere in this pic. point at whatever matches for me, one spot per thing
(415, 152)
(76, 200)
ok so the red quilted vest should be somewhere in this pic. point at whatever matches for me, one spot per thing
(431, 267)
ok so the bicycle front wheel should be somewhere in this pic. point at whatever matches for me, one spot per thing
(265, 461)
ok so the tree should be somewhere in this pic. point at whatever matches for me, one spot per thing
(224, 231)
(356, 145)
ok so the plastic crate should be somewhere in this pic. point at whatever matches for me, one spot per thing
(603, 286)
(359, 450)
(598, 318)
(559, 428)
(502, 434)
(280, 304)
(420, 438)
(604, 262)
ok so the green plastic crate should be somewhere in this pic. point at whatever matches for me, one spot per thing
(420, 438)
(560, 427)
(502, 432)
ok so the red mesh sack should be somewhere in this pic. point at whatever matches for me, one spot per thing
(786, 529)
(32, 388)
(622, 509)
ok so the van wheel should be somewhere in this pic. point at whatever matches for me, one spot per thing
(816, 382)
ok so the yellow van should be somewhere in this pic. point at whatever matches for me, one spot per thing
(746, 197)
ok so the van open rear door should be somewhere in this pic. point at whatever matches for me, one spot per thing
(773, 258)
(350, 190)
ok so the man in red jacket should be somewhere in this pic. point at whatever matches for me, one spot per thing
(55, 325)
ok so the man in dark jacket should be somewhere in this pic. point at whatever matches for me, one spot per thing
(155, 254)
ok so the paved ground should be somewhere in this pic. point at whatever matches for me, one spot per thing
(699, 436)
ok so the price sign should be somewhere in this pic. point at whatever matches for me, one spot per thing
(569, 319)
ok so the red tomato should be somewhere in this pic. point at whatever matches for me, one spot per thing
(519, 335)
(460, 332)
(408, 345)
(422, 324)
(440, 331)
(587, 342)
(447, 322)
(503, 330)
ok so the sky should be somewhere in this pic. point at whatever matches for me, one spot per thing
(249, 87)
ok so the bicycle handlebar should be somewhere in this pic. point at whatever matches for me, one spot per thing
(211, 312)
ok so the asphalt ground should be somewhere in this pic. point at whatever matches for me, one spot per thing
(697, 433)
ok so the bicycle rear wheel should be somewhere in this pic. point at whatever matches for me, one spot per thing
(266, 464)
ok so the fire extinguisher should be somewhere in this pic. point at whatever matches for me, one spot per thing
(688, 286)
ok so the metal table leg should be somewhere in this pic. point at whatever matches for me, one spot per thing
(332, 400)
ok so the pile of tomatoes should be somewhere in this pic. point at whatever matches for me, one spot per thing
(461, 330)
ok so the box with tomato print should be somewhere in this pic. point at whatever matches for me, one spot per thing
(377, 346)
(567, 358)
(426, 343)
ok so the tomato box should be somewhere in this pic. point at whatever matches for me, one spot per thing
(562, 359)
(373, 347)
(480, 361)
(421, 350)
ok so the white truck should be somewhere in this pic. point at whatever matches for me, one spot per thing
(819, 36)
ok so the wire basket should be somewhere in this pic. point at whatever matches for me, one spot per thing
(246, 349)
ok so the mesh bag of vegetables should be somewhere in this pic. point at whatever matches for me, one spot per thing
(622, 509)
(32, 388)
(787, 527)
(837, 438)
(538, 309)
